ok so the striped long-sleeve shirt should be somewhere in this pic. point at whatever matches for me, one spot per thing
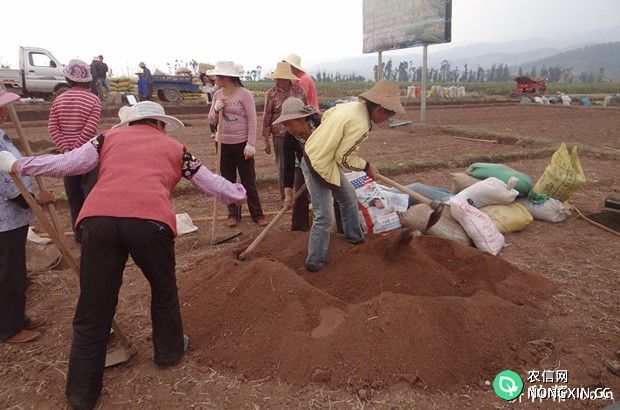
(74, 118)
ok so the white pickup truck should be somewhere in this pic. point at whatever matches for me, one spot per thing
(39, 74)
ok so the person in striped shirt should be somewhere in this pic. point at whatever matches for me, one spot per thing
(73, 121)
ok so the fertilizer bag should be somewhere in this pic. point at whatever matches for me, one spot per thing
(508, 218)
(490, 191)
(478, 226)
(563, 176)
(482, 170)
(550, 210)
(461, 180)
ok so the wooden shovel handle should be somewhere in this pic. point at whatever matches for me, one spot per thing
(274, 221)
(218, 155)
(418, 197)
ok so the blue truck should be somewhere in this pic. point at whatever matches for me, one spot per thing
(169, 87)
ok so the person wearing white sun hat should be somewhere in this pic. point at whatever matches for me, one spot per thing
(128, 212)
(238, 135)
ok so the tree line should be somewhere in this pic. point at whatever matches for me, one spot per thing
(407, 71)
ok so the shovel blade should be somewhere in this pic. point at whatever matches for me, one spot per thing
(118, 356)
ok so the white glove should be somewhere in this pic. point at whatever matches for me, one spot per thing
(219, 104)
(249, 151)
(7, 160)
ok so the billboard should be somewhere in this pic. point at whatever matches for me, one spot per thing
(396, 24)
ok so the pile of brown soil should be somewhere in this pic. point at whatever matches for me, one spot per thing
(436, 315)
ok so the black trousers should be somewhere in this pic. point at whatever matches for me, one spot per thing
(77, 188)
(106, 244)
(12, 281)
(233, 161)
(301, 208)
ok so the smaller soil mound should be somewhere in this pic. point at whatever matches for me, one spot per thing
(437, 315)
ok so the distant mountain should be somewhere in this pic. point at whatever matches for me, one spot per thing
(513, 53)
(585, 59)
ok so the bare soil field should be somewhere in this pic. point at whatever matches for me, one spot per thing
(426, 330)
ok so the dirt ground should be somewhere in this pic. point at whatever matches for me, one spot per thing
(574, 328)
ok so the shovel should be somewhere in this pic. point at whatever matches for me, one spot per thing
(242, 255)
(115, 356)
(448, 228)
(218, 149)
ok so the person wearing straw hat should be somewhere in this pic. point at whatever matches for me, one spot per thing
(283, 89)
(15, 216)
(74, 118)
(238, 136)
(332, 148)
(299, 120)
(127, 213)
(305, 80)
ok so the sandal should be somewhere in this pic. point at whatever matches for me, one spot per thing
(232, 221)
(23, 336)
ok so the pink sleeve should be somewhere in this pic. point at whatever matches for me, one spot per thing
(212, 113)
(310, 89)
(250, 110)
(76, 162)
(217, 186)
(90, 128)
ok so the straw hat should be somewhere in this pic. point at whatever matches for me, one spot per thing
(227, 69)
(78, 71)
(7, 97)
(294, 60)
(293, 108)
(203, 68)
(147, 109)
(283, 72)
(386, 94)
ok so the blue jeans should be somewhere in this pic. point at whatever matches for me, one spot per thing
(322, 196)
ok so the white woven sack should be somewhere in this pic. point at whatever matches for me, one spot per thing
(490, 191)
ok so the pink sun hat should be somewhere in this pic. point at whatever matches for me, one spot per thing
(7, 97)
(78, 71)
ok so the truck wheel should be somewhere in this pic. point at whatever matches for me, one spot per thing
(60, 90)
(160, 95)
(171, 95)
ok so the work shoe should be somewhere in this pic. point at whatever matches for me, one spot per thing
(23, 336)
(261, 221)
(232, 221)
(33, 323)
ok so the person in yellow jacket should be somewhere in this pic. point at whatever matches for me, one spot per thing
(333, 147)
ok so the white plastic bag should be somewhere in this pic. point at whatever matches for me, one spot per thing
(478, 225)
(551, 210)
(491, 191)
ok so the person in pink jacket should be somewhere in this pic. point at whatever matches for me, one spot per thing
(238, 135)
(128, 212)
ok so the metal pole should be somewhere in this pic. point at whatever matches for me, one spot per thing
(380, 67)
(423, 96)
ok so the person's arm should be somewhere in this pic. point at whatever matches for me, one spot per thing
(210, 183)
(347, 151)
(213, 117)
(76, 162)
(53, 126)
(313, 96)
(92, 122)
(267, 115)
(250, 110)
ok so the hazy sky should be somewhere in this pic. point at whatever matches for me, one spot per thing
(263, 32)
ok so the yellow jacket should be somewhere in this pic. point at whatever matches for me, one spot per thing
(335, 143)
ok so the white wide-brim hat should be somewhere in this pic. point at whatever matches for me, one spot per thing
(144, 110)
(227, 69)
(294, 60)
